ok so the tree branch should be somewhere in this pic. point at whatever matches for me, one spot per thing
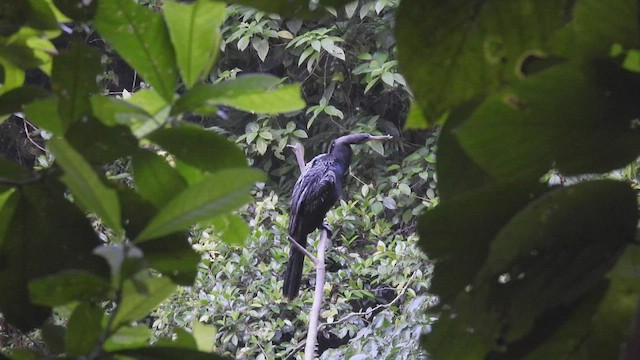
(295, 244)
(314, 315)
(298, 150)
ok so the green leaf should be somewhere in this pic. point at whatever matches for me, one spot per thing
(233, 228)
(67, 286)
(204, 335)
(84, 183)
(218, 193)
(44, 113)
(73, 78)
(458, 233)
(77, 10)
(141, 37)
(137, 304)
(558, 116)
(100, 144)
(568, 230)
(112, 111)
(457, 173)
(128, 337)
(13, 76)
(173, 257)
(476, 51)
(293, 9)
(194, 31)
(12, 173)
(415, 118)
(14, 100)
(596, 26)
(254, 93)
(203, 149)
(155, 179)
(43, 222)
(84, 329)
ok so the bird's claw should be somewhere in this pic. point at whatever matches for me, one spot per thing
(327, 228)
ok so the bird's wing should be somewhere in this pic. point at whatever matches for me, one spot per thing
(312, 189)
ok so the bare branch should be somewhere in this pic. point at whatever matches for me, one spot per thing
(295, 244)
(298, 150)
(314, 315)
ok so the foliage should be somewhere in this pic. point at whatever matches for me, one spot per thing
(528, 270)
(52, 256)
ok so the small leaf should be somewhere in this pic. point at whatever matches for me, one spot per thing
(85, 184)
(284, 34)
(243, 42)
(388, 78)
(218, 193)
(389, 203)
(350, 9)
(141, 37)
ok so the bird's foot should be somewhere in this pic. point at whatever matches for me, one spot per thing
(327, 228)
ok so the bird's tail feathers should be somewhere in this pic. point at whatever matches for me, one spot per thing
(293, 274)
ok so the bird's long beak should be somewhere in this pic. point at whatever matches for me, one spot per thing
(380, 137)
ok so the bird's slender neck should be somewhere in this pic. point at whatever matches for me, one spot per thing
(342, 153)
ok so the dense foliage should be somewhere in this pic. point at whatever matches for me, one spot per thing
(529, 93)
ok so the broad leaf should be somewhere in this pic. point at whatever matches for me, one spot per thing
(254, 93)
(458, 233)
(233, 228)
(14, 100)
(478, 49)
(205, 336)
(558, 117)
(112, 111)
(128, 337)
(84, 329)
(596, 26)
(137, 304)
(169, 353)
(12, 173)
(100, 144)
(67, 286)
(73, 78)
(194, 31)
(84, 183)
(44, 113)
(155, 179)
(43, 222)
(203, 149)
(141, 37)
(216, 194)
(172, 256)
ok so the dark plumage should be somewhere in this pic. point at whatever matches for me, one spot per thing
(315, 192)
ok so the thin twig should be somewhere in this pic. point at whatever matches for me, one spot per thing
(26, 132)
(371, 310)
(306, 252)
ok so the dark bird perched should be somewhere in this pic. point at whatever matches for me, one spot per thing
(317, 189)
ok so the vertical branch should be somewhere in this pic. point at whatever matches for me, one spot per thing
(298, 150)
(314, 315)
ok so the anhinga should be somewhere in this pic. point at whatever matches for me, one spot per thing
(317, 189)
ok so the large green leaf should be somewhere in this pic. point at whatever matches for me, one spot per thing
(479, 48)
(13, 76)
(84, 329)
(254, 93)
(73, 78)
(579, 123)
(67, 286)
(216, 194)
(44, 113)
(101, 144)
(172, 256)
(596, 26)
(155, 179)
(77, 10)
(12, 173)
(194, 31)
(46, 234)
(85, 185)
(112, 111)
(14, 100)
(457, 173)
(137, 303)
(141, 37)
(458, 233)
(203, 149)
